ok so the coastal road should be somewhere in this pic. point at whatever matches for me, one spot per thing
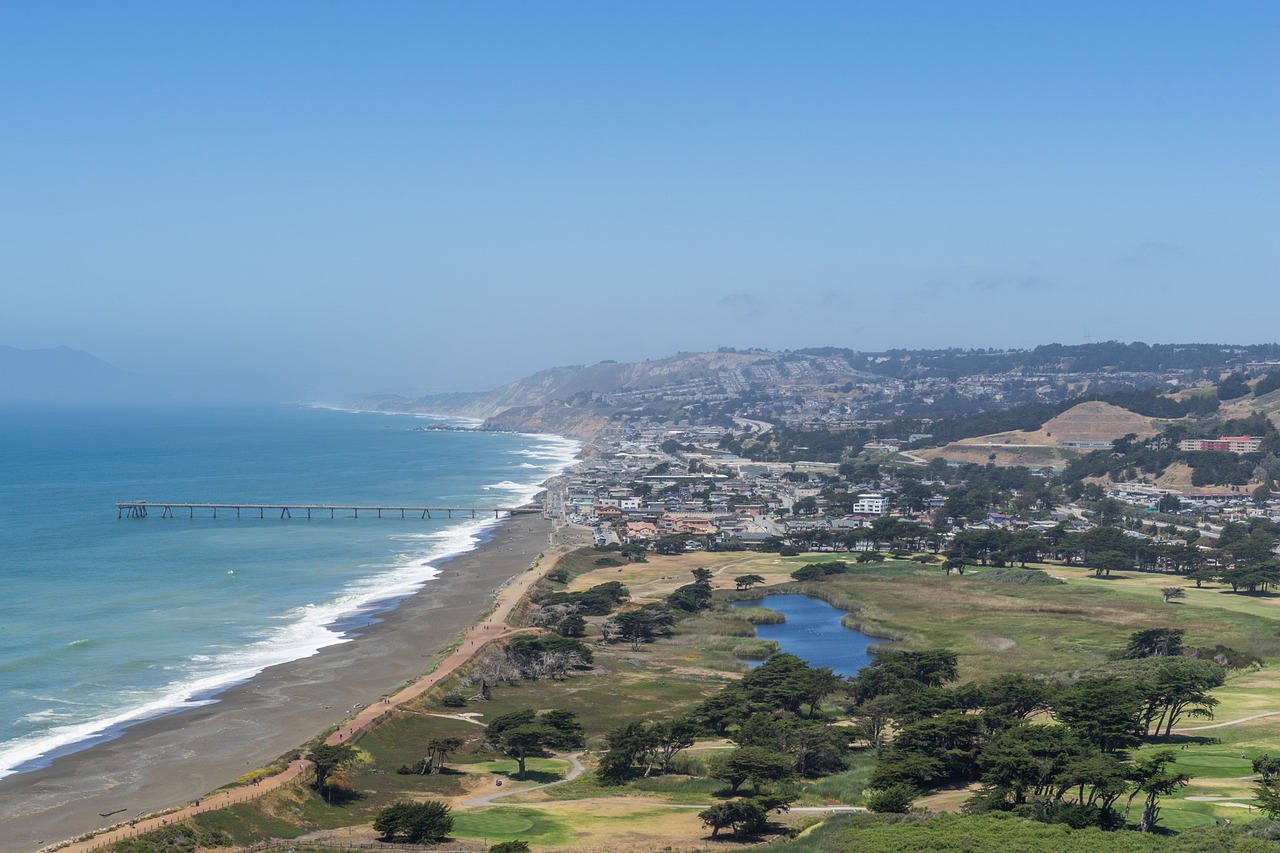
(756, 427)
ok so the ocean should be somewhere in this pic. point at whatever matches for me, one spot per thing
(107, 621)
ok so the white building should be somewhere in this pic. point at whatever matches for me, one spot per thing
(870, 504)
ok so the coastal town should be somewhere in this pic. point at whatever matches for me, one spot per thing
(552, 427)
(667, 489)
(829, 465)
(1009, 543)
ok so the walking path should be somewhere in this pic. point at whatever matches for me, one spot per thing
(575, 770)
(1228, 723)
(473, 640)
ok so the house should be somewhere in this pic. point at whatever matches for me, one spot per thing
(638, 531)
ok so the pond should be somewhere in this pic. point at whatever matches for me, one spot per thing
(813, 633)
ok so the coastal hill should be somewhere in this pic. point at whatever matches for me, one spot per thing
(1060, 438)
(60, 374)
(944, 395)
(63, 375)
(565, 399)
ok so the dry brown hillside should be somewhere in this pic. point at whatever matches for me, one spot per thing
(1092, 421)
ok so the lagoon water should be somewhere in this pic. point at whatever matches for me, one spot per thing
(105, 621)
(813, 633)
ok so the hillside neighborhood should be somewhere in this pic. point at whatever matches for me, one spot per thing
(668, 488)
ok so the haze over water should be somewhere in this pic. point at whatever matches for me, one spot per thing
(106, 621)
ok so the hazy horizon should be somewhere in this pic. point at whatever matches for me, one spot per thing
(452, 196)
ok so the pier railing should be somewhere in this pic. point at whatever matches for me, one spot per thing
(144, 509)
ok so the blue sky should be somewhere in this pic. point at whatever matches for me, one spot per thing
(450, 195)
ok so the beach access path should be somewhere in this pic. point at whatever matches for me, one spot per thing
(473, 640)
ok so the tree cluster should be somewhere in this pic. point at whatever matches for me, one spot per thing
(528, 658)
(1070, 771)
(1243, 558)
(599, 600)
(643, 625)
(773, 717)
(522, 735)
(414, 823)
(695, 596)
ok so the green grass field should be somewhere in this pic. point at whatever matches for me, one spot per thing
(994, 627)
(506, 823)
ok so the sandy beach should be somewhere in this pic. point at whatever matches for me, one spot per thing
(170, 761)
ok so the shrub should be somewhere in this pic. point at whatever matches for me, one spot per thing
(896, 799)
(816, 571)
(174, 839)
(454, 700)
(510, 847)
(788, 551)
(760, 615)
(525, 649)
(755, 649)
(1267, 384)
(1026, 577)
(600, 600)
(1224, 656)
(414, 823)
(572, 625)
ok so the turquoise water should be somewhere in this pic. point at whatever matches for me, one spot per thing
(813, 633)
(104, 621)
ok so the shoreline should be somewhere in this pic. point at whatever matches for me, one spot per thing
(168, 761)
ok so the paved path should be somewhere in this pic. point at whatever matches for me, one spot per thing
(473, 640)
(1228, 723)
(575, 770)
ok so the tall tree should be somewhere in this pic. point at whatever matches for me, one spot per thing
(1153, 776)
(525, 742)
(414, 823)
(754, 764)
(1104, 711)
(437, 749)
(1154, 643)
(328, 758)
(1267, 789)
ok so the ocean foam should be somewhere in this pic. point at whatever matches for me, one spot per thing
(305, 629)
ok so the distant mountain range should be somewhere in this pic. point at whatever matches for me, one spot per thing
(65, 375)
(557, 397)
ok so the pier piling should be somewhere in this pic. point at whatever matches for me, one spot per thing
(139, 509)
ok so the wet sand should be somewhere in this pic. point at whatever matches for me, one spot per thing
(169, 761)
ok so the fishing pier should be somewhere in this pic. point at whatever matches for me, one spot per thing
(143, 509)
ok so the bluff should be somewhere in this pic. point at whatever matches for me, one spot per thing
(551, 400)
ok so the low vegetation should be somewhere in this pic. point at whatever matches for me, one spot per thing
(1053, 705)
